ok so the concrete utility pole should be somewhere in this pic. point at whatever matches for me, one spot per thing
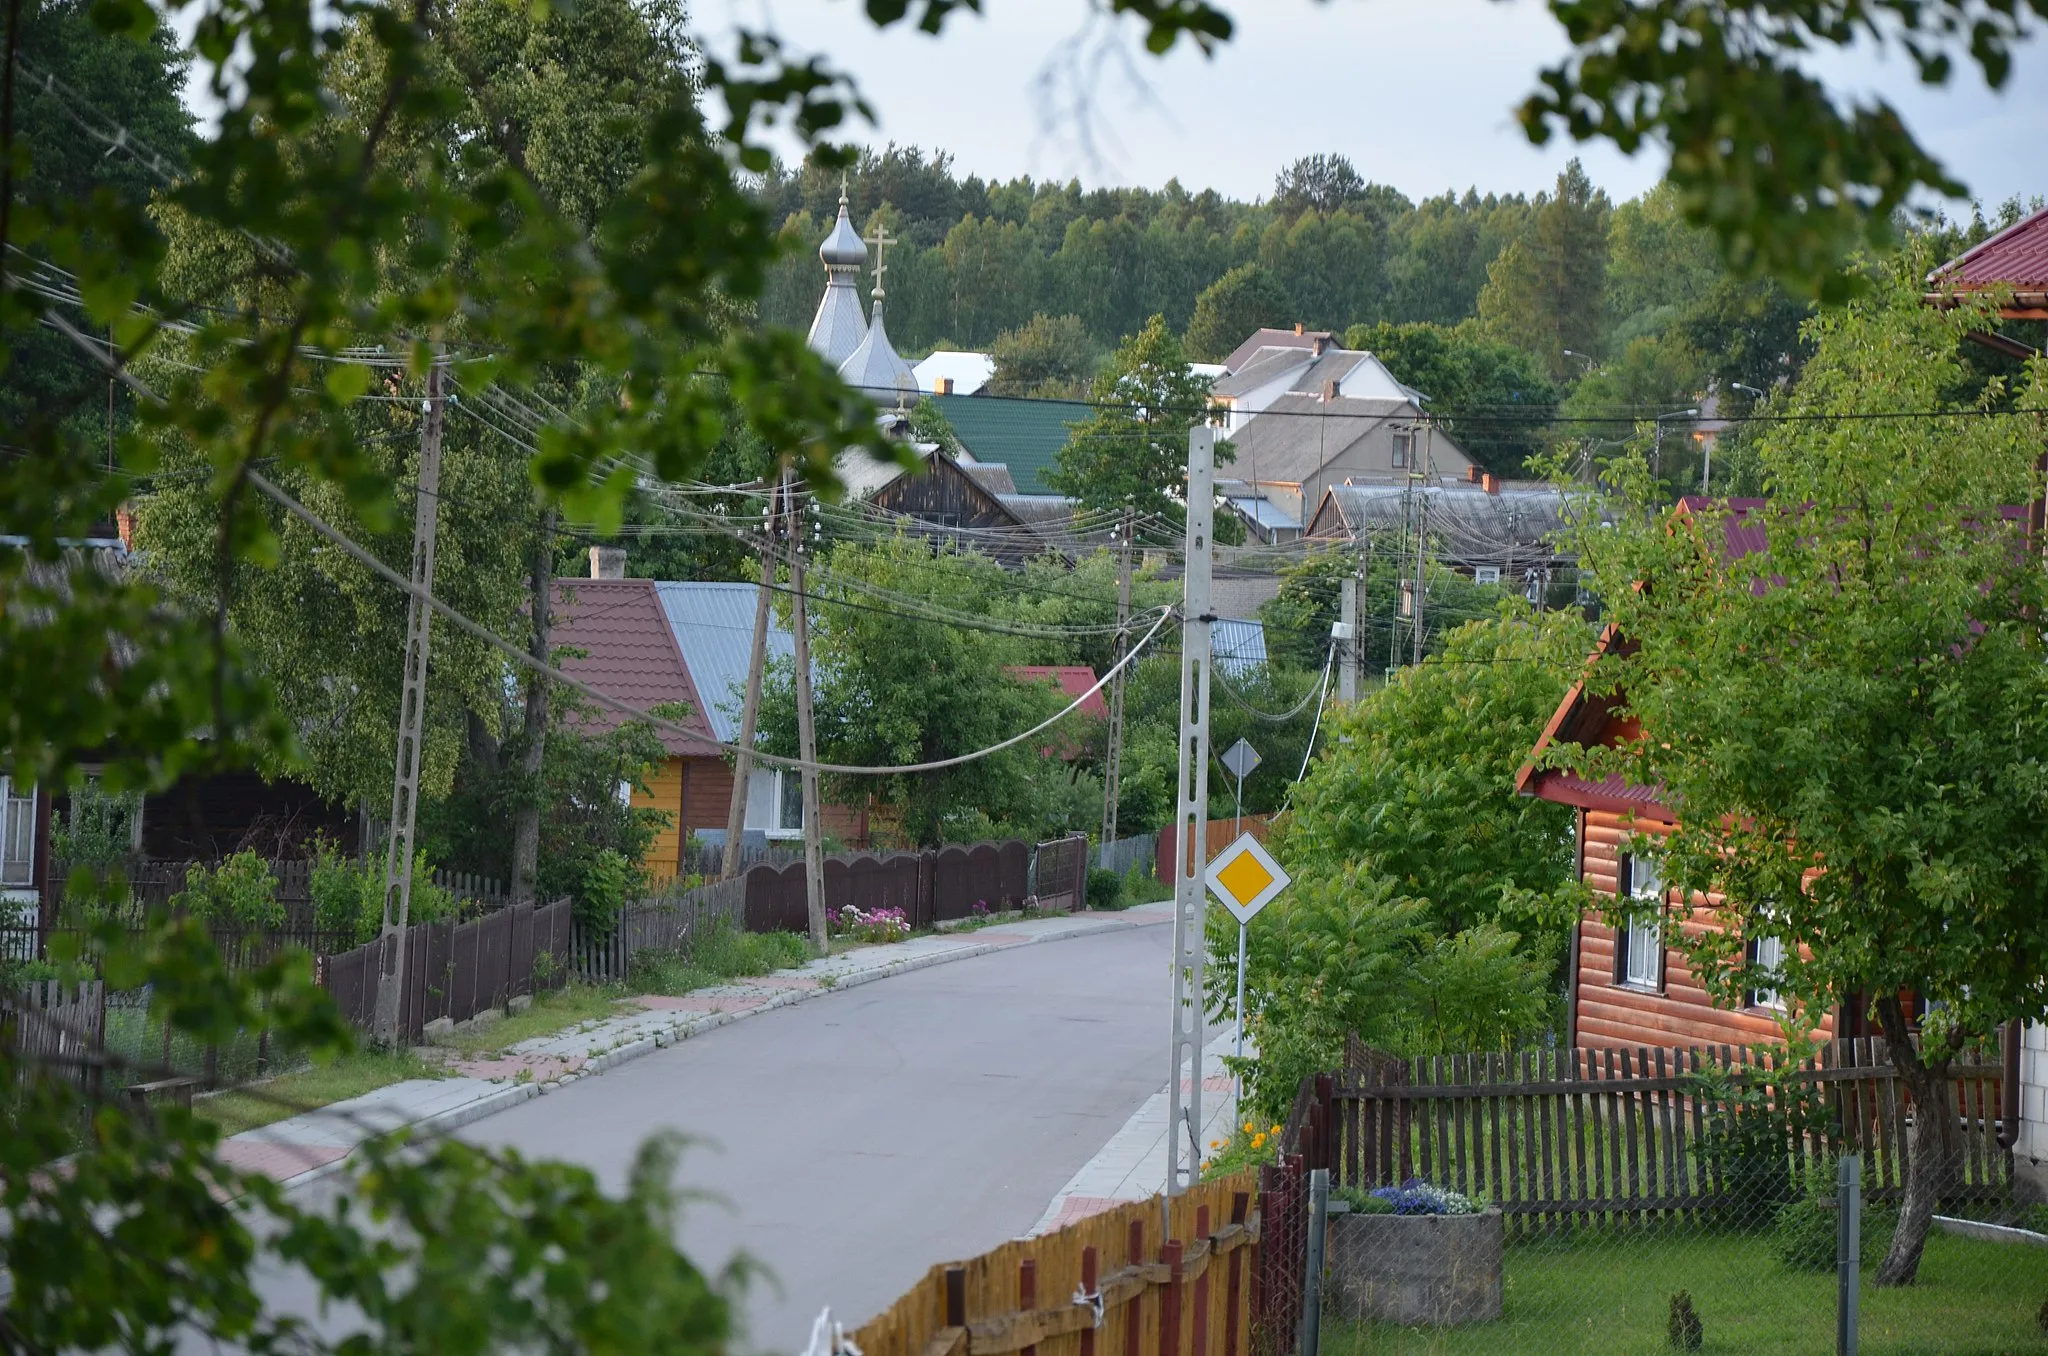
(750, 705)
(1191, 820)
(405, 784)
(1421, 554)
(806, 727)
(1112, 772)
(1347, 615)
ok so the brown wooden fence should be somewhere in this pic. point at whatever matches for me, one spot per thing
(1108, 1285)
(657, 925)
(456, 970)
(1593, 1134)
(61, 1027)
(930, 887)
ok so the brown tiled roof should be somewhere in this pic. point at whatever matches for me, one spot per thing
(627, 651)
(2016, 257)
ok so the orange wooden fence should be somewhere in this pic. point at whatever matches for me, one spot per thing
(1107, 1285)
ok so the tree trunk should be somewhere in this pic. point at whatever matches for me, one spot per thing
(533, 737)
(1936, 1145)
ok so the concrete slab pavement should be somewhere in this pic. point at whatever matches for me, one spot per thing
(1132, 1165)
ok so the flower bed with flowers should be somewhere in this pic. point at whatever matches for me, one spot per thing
(1412, 1197)
(871, 925)
(1249, 1146)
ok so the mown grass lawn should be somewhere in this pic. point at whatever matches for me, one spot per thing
(1613, 1294)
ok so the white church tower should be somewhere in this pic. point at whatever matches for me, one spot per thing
(839, 326)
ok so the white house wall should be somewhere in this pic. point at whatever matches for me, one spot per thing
(2030, 1155)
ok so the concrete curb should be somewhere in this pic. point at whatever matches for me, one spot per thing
(690, 1025)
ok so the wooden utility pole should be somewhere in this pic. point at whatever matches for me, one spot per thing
(533, 752)
(750, 706)
(405, 784)
(806, 726)
(1421, 548)
(1112, 772)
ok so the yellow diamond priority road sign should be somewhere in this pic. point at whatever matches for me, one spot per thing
(1246, 878)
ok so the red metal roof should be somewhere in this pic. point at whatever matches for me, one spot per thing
(622, 645)
(2016, 257)
(1071, 679)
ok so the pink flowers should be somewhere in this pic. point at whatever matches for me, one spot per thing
(877, 925)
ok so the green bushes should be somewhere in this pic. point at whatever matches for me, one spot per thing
(1803, 1232)
(1105, 889)
(348, 898)
(240, 893)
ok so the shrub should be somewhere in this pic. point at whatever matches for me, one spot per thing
(240, 892)
(1685, 1330)
(348, 897)
(608, 878)
(1105, 889)
(1804, 1234)
(1363, 1202)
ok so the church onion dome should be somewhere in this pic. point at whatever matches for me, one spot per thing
(843, 248)
(875, 369)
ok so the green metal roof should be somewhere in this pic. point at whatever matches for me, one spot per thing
(1024, 435)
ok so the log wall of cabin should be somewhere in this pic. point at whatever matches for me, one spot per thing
(696, 793)
(1608, 1013)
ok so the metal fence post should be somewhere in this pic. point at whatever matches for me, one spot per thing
(1848, 1249)
(1312, 1283)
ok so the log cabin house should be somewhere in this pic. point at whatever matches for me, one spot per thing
(1628, 986)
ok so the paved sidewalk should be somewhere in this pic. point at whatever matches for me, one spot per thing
(316, 1143)
(1132, 1166)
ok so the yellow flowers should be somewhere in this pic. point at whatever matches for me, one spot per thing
(1259, 1140)
(1249, 1127)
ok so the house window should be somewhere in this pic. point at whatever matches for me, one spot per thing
(17, 835)
(1404, 444)
(1640, 962)
(1766, 955)
(775, 802)
(1486, 574)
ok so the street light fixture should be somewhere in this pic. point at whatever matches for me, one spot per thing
(1590, 363)
(1744, 386)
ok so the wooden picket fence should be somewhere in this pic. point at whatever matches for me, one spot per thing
(1106, 1285)
(665, 925)
(1595, 1134)
(61, 1028)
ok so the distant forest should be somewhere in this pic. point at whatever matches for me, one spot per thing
(980, 258)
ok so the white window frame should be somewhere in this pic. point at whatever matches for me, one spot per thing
(17, 839)
(1640, 962)
(1767, 954)
(782, 786)
(1486, 574)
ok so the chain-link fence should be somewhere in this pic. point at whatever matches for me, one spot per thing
(1652, 1200)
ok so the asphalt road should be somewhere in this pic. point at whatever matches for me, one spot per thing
(859, 1138)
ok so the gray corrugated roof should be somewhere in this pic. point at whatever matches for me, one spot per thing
(714, 629)
(1297, 435)
(1263, 367)
(1262, 511)
(1469, 521)
(1270, 338)
(1237, 646)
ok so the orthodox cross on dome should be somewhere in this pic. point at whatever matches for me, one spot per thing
(881, 240)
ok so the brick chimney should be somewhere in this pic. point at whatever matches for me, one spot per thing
(1297, 327)
(607, 562)
(1490, 483)
(942, 386)
(1471, 475)
(1322, 344)
(124, 523)
(1329, 391)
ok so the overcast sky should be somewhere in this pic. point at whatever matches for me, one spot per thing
(1417, 93)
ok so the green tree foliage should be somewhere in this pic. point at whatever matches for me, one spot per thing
(1491, 397)
(1429, 903)
(1134, 451)
(1241, 301)
(1416, 782)
(137, 83)
(894, 687)
(1545, 293)
(1309, 601)
(1855, 745)
(1046, 356)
